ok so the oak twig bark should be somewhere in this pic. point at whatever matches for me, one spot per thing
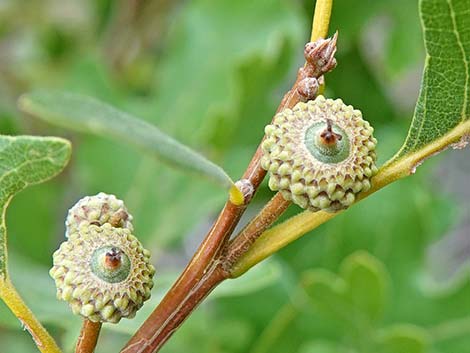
(88, 338)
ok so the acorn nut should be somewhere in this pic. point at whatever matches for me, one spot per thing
(103, 272)
(320, 154)
(98, 210)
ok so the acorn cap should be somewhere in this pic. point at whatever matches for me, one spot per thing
(98, 210)
(320, 154)
(103, 272)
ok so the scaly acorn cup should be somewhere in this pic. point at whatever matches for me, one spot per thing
(98, 209)
(320, 154)
(103, 272)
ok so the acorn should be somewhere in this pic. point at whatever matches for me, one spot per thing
(103, 272)
(98, 210)
(320, 155)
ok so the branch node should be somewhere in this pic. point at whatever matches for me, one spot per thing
(247, 189)
(308, 88)
(320, 56)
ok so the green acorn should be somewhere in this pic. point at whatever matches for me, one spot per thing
(98, 210)
(103, 272)
(320, 154)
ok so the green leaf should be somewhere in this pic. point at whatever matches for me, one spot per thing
(24, 161)
(368, 281)
(327, 293)
(403, 338)
(354, 298)
(443, 104)
(87, 114)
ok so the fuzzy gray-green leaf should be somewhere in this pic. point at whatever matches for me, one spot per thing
(87, 114)
(444, 99)
(24, 161)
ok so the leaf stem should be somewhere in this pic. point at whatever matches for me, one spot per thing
(13, 300)
(88, 338)
(321, 19)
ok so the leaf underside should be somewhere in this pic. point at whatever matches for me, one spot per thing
(444, 98)
(24, 161)
(86, 114)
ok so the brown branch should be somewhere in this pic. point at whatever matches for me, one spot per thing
(158, 335)
(207, 268)
(88, 337)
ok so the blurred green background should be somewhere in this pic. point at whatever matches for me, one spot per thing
(389, 275)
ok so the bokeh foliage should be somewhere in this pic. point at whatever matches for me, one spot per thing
(211, 74)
